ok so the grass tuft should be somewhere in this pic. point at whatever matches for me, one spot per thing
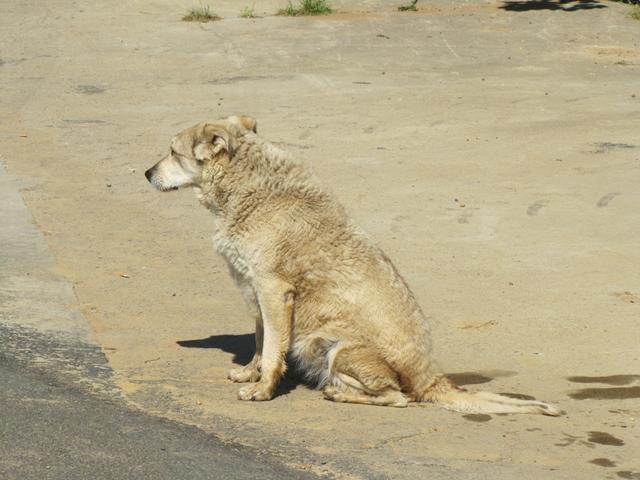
(201, 14)
(306, 7)
(247, 12)
(634, 8)
(409, 7)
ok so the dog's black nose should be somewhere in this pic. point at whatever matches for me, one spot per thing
(148, 173)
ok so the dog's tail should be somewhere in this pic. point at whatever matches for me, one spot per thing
(445, 393)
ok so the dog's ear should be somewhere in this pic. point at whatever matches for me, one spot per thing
(245, 121)
(212, 141)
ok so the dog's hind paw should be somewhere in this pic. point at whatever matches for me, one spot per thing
(330, 392)
(257, 392)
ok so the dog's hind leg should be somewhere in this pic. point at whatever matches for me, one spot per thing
(388, 398)
(360, 375)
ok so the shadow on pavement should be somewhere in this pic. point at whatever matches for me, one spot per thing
(564, 5)
(241, 346)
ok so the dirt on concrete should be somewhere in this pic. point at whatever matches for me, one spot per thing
(490, 148)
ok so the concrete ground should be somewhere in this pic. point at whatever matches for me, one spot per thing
(490, 148)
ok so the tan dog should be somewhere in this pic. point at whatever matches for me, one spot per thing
(319, 288)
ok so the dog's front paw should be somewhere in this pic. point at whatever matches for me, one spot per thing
(244, 374)
(257, 392)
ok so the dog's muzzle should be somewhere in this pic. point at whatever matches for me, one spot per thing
(150, 174)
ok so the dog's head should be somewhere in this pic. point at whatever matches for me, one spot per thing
(192, 149)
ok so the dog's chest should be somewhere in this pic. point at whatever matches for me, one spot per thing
(238, 264)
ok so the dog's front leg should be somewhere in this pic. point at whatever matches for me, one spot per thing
(276, 301)
(251, 371)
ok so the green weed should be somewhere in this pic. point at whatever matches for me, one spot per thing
(202, 14)
(306, 7)
(411, 7)
(247, 12)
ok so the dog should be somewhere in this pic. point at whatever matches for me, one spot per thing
(319, 289)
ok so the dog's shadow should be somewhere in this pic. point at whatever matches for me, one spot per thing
(243, 348)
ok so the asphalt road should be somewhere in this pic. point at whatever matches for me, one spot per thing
(50, 430)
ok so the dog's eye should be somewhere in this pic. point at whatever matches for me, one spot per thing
(172, 152)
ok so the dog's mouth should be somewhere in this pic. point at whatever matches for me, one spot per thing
(160, 186)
